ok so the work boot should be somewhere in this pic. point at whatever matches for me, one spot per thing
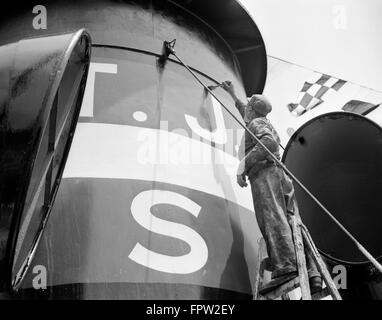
(276, 282)
(315, 284)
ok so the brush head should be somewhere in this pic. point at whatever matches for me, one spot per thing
(214, 87)
(220, 85)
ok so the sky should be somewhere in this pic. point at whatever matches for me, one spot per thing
(340, 38)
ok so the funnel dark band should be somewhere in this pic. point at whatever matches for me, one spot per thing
(338, 157)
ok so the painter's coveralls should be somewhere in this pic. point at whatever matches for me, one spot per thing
(273, 198)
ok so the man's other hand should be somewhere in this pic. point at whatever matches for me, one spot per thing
(241, 180)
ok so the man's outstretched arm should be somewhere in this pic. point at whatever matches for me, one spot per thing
(228, 86)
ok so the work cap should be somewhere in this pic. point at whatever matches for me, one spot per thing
(260, 104)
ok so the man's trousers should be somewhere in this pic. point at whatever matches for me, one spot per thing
(274, 201)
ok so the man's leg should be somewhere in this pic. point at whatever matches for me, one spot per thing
(292, 209)
(270, 208)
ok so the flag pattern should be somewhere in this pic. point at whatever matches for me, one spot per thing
(360, 107)
(313, 93)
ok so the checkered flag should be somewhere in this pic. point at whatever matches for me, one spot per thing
(312, 93)
(360, 107)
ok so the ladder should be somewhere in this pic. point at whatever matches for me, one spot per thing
(300, 236)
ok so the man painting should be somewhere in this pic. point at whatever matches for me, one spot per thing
(272, 191)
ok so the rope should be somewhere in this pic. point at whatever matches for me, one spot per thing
(169, 49)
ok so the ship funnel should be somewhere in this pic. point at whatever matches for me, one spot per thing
(338, 157)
